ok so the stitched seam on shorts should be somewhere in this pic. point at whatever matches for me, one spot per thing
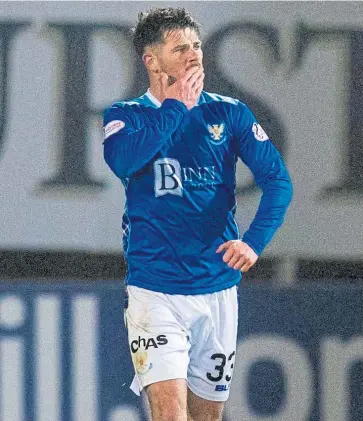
(147, 292)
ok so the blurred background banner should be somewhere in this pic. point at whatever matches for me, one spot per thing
(297, 65)
(63, 354)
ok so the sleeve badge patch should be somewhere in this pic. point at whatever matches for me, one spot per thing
(259, 133)
(113, 127)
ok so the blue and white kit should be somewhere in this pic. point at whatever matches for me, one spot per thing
(178, 167)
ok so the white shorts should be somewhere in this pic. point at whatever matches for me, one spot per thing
(190, 337)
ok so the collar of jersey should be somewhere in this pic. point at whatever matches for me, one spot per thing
(152, 98)
(156, 102)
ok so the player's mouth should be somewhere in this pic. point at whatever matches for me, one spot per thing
(173, 79)
(193, 65)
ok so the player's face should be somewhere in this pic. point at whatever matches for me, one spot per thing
(180, 51)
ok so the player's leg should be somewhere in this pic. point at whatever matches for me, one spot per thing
(200, 409)
(168, 400)
(159, 349)
(212, 354)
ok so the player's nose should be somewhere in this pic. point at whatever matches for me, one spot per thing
(194, 60)
(193, 55)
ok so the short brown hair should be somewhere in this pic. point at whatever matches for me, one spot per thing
(152, 25)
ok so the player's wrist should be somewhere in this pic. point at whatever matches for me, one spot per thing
(253, 246)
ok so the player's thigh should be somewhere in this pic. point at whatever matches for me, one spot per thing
(212, 353)
(158, 343)
(200, 409)
(168, 400)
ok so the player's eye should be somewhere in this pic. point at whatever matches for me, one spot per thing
(181, 48)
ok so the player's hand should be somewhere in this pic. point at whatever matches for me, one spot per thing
(238, 255)
(185, 89)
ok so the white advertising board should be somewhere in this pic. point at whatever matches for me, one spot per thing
(299, 60)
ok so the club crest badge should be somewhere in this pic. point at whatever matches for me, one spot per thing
(141, 364)
(217, 133)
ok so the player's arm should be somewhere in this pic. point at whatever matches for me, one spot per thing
(265, 162)
(132, 139)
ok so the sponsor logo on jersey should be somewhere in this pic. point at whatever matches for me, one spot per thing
(146, 343)
(259, 133)
(222, 387)
(113, 127)
(141, 363)
(171, 177)
(167, 172)
(216, 132)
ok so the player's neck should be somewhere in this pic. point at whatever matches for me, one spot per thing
(155, 91)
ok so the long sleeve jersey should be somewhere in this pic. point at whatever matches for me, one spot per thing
(178, 168)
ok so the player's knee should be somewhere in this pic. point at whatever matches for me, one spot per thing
(213, 414)
(208, 417)
(168, 412)
(204, 410)
(168, 401)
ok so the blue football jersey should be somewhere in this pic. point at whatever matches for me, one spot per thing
(178, 168)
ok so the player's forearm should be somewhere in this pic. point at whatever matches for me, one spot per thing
(277, 194)
(127, 152)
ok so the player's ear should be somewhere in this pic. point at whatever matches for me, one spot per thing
(151, 62)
